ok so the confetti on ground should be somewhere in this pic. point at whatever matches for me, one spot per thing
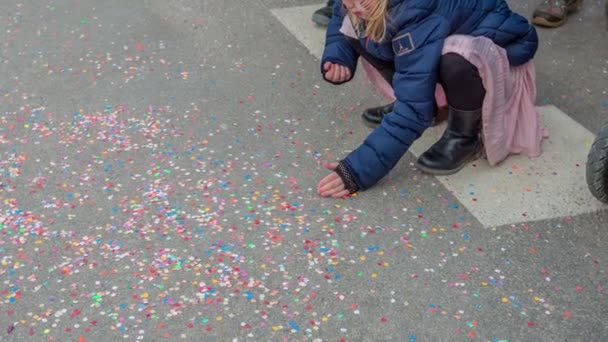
(188, 210)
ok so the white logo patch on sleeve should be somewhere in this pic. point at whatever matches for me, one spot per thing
(403, 44)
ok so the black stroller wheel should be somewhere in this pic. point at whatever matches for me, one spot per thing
(596, 170)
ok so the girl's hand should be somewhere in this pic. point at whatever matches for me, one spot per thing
(336, 73)
(332, 185)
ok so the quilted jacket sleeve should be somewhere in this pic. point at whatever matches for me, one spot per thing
(511, 31)
(524, 43)
(417, 50)
(337, 48)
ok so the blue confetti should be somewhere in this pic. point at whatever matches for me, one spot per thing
(294, 326)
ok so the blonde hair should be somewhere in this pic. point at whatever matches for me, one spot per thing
(374, 26)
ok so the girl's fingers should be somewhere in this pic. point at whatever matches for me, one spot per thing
(346, 73)
(336, 193)
(326, 180)
(327, 69)
(336, 72)
(332, 186)
(341, 194)
(330, 166)
(342, 74)
(331, 74)
(328, 73)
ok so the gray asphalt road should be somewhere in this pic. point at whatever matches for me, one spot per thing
(158, 161)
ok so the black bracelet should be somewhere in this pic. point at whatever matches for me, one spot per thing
(347, 178)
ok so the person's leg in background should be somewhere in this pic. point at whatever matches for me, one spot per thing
(554, 13)
(322, 16)
(461, 141)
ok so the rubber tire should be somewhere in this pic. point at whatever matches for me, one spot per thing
(596, 170)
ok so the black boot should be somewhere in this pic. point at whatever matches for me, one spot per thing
(322, 16)
(459, 144)
(372, 117)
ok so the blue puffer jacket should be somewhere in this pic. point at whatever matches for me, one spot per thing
(415, 34)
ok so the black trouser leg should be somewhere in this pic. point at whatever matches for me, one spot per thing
(461, 82)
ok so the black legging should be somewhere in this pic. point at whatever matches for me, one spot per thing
(460, 79)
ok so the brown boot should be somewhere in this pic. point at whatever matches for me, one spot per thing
(554, 13)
